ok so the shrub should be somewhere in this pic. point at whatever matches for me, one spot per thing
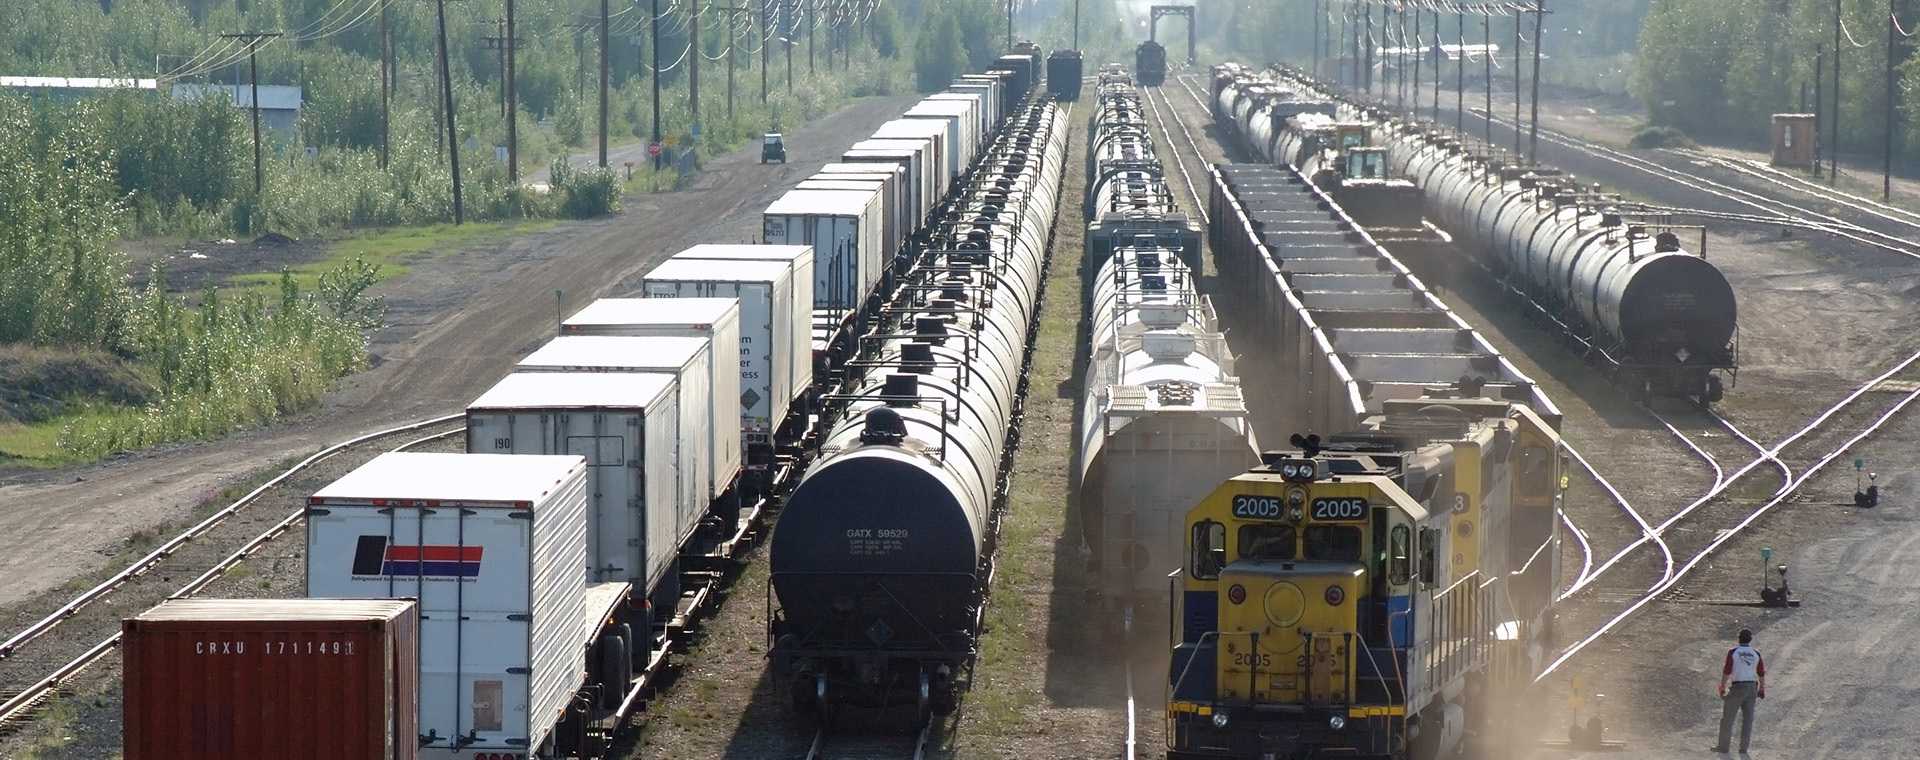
(586, 193)
(1658, 136)
(227, 366)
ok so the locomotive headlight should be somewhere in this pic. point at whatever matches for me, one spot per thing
(1219, 719)
(1336, 722)
(1682, 354)
(1289, 471)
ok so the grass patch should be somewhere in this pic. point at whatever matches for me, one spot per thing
(36, 445)
(390, 249)
(55, 727)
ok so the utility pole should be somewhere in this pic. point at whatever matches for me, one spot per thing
(1819, 104)
(813, 20)
(509, 100)
(1516, 84)
(1833, 158)
(1316, 32)
(655, 76)
(1436, 68)
(732, 35)
(1009, 25)
(1418, 53)
(1076, 21)
(1400, 63)
(765, 51)
(513, 105)
(787, 25)
(1369, 88)
(693, 78)
(497, 42)
(446, 101)
(1886, 155)
(603, 84)
(1459, 77)
(1346, 40)
(253, 67)
(386, 79)
(1533, 132)
(1486, 30)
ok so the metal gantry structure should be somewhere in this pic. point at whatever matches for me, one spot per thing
(1158, 12)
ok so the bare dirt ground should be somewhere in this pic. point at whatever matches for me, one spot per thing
(455, 324)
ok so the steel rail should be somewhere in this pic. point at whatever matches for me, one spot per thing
(141, 566)
(817, 750)
(1726, 535)
(28, 698)
(1587, 573)
(1805, 186)
(1771, 454)
(1724, 191)
(1199, 205)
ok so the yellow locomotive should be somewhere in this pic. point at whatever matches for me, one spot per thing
(1368, 596)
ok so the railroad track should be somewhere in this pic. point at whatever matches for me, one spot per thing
(1774, 210)
(1799, 458)
(33, 665)
(829, 746)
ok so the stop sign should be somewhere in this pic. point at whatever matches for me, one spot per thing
(653, 149)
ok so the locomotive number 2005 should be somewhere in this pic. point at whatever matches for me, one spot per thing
(1258, 507)
(1339, 509)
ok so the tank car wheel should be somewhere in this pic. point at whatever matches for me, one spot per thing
(1714, 390)
(923, 703)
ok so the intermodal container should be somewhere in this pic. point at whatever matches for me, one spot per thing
(212, 679)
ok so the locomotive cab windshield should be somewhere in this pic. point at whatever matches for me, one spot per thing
(1366, 162)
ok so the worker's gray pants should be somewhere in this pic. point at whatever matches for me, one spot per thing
(1740, 698)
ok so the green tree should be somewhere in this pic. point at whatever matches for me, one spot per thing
(938, 58)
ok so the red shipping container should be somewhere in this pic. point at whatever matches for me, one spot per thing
(281, 678)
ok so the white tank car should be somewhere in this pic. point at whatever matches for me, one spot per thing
(1162, 422)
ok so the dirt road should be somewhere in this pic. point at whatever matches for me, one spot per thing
(456, 323)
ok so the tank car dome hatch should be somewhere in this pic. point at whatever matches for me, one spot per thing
(884, 425)
(917, 356)
(1167, 345)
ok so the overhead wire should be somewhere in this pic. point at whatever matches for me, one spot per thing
(203, 56)
(325, 18)
(1849, 33)
(356, 21)
(248, 47)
